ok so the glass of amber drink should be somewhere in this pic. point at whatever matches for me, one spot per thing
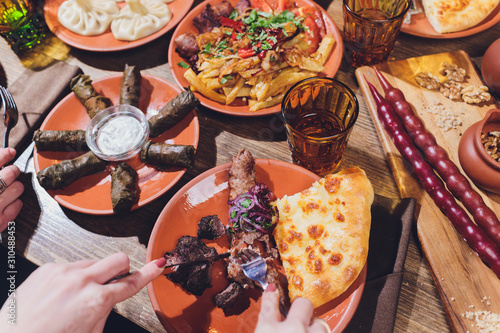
(19, 25)
(319, 114)
(371, 28)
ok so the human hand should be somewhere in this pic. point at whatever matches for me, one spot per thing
(299, 320)
(73, 297)
(10, 188)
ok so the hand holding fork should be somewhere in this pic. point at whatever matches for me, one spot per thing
(10, 113)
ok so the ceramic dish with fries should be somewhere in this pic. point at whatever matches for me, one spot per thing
(245, 63)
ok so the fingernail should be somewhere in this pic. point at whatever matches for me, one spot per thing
(271, 287)
(161, 262)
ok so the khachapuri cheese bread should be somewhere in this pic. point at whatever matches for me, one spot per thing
(457, 15)
(322, 235)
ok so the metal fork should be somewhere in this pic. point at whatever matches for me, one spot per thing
(255, 268)
(10, 113)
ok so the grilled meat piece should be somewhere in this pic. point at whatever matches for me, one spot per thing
(228, 297)
(186, 46)
(196, 278)
(241, 174)
(211, 227)
(242, 6)
(223, 8)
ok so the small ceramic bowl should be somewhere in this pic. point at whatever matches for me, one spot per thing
(481, 168)
(117, 133)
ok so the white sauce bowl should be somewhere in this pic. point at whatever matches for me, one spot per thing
(117, 133)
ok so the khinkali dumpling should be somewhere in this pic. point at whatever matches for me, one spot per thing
(87, 17)
(139, 19)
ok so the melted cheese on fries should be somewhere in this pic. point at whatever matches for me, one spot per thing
(322, 235)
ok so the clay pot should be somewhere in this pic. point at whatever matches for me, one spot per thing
(490, 66)
(481, 168)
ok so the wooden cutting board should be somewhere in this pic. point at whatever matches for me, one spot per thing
(464, 282)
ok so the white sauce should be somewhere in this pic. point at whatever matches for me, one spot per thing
(119, 135)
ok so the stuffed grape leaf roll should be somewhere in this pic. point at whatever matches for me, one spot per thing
(167, 155)
(83, 89)
(173, 112)
(123, 188)
(69, 140)
(60, 175)
(130, 87)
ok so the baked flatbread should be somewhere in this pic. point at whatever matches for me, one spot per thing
(322, 235)
(457, 15)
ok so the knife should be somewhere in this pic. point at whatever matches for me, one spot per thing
(180, 264)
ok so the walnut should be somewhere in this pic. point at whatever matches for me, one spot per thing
(491, 142)
(451, 89)
(452, 72)
(475, 94)
(428, 80)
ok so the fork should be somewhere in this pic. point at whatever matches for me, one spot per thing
(10, 113)
(255, 268)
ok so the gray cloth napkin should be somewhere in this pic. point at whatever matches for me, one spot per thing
(389, 239)
(36, 93)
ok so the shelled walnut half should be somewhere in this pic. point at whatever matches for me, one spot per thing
(451, 89)
(491, 142)
(452, 72)
(475, 94)
(428, 80)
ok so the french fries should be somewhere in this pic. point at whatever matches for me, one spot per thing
(261, 81)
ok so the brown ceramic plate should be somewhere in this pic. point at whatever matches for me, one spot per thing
(91, 194)
(205, 195)
(420, 26)
(238, 107)
(107, 42)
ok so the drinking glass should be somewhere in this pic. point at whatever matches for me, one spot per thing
(319, 114)
(19, 25)
(371, 28)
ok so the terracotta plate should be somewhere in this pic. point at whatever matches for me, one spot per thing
(420, 26)
(91, 194)
(240, 108)
(107, 42)
(205, 195)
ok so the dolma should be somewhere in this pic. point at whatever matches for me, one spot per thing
(163, 154)
(60, 175)
(173, 112)
(123, 188)
(130, 88)
(83, 89)
(60, 140)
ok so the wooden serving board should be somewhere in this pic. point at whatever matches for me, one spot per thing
(464, 282)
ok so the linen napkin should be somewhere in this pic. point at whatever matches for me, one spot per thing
(389, 237)
(35, 94)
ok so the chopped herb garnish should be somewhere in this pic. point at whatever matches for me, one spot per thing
(234, 15)
(207, 48)
(183, 64)
(225, 79)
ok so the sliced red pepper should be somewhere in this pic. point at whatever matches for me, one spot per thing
(246, 52)
(227, 22)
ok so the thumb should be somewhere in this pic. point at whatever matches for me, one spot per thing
(129, 286)
(269, 310)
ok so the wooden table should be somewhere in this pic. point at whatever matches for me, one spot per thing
(47, 232)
